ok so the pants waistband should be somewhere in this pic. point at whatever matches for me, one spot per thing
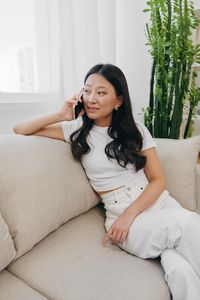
(125, 188)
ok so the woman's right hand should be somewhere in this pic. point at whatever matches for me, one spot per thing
(66, 112)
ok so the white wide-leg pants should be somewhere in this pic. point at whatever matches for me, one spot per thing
(165, 229)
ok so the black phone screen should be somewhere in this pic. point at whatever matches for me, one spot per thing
(78, 108)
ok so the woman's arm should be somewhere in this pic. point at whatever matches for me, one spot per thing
(35, 124)
(119, 229)
(48, 125)
(155, 187)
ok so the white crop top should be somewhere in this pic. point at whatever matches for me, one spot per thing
(103, 173)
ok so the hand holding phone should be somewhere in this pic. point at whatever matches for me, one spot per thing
(71, 108)
(79, 105)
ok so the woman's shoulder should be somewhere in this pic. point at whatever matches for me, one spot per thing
(142, 128)
(148, 140)
(69, 127)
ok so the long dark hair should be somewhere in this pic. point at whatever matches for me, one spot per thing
(127, 139)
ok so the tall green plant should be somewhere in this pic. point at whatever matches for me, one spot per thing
(173, 52)
(193, 99)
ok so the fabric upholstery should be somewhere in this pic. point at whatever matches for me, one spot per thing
(7, 249)
(179, 159)
(41, 187)
(197, 187)
(72, 264)
(12, 288)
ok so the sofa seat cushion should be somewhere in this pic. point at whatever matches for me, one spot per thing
(7, 249)
(12, 288)
(72, 264)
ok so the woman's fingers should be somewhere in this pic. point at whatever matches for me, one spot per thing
(71, 101)
(75, 99)
(80, 94)
(123, 237)
(111, 234)
(107, 237)
(105, 240)
(117, 236)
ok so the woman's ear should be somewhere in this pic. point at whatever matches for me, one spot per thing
(119, 102)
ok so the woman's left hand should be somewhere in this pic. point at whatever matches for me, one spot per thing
(119, 229)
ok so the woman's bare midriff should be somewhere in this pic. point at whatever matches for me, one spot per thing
(105, 192)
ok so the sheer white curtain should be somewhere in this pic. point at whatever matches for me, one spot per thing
(88, 35)
(105, 31)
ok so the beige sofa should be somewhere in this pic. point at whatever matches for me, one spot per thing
(52, 225)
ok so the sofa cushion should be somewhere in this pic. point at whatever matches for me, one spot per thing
(197, 183)
(179, 159)
(71, 263)
(7, 249)
(41, 187)
(12, 288)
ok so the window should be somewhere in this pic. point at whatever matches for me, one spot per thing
(30, 51)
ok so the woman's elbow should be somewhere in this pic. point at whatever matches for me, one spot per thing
(15, 130)
(18, 130)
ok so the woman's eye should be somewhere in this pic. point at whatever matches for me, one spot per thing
(86, 91)
(102, 93)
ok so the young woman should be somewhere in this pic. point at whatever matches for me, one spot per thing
(119, 157)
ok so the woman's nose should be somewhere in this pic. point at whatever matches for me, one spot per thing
(92, 99)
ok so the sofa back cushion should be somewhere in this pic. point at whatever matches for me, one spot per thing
(7, 249)
(41, 187)
(179, 162)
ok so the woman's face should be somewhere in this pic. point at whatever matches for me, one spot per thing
(100, 99)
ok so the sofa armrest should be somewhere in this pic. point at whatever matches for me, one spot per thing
(197, 187)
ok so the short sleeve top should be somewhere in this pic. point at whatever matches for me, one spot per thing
(104, 173)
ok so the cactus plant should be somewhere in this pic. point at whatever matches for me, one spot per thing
(169, 34)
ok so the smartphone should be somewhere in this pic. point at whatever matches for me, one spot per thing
(78, 107)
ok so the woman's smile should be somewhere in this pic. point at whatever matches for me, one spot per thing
(92, 108)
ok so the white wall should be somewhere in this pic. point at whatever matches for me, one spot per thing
(196, 4)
